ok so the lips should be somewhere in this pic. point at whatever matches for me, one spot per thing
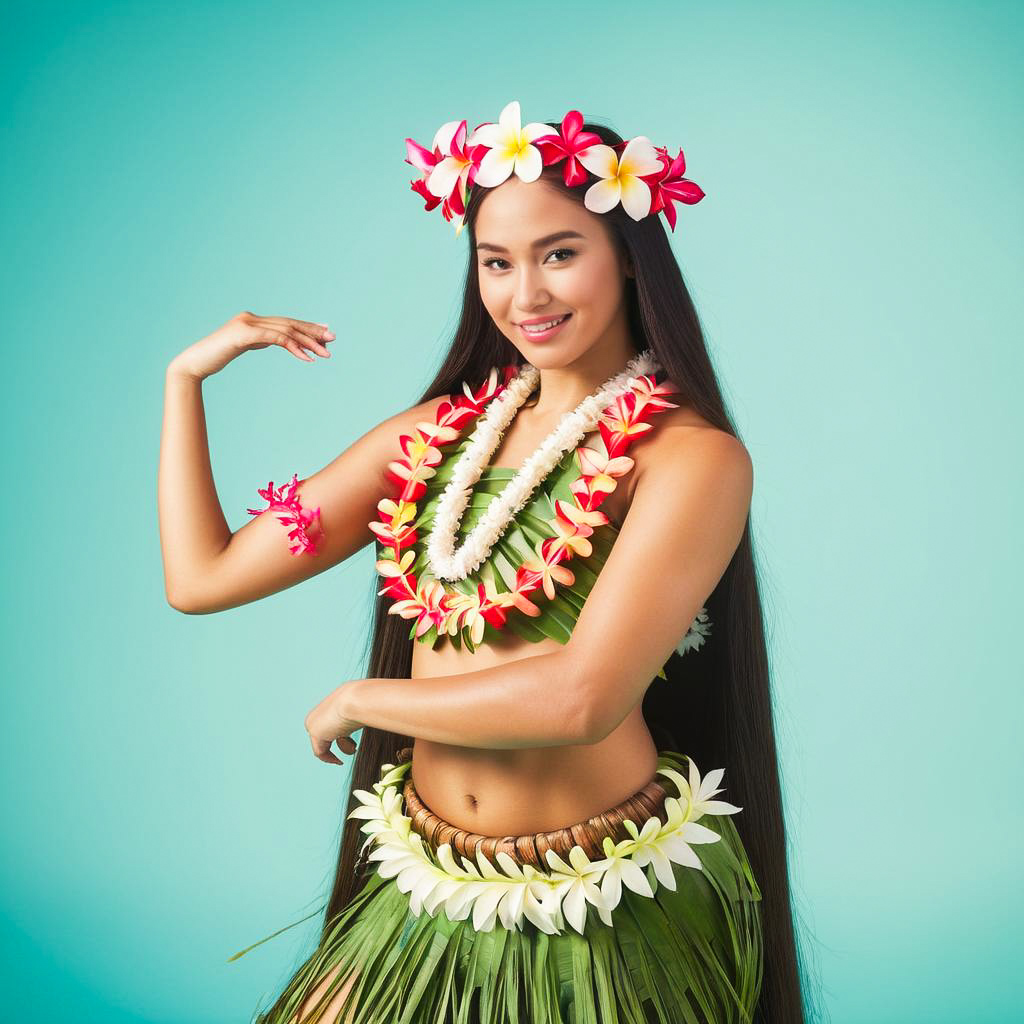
(541, 320)
(542, 335)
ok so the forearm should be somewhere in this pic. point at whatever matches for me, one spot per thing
(525, 703)
(193, 529)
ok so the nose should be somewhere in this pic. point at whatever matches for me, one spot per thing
(530, 291)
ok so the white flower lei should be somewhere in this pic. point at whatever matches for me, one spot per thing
(448, 564)
(511, 893)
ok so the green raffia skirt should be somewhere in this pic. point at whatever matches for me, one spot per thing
(616, 920)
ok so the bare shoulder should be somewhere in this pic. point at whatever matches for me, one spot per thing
(684, 444)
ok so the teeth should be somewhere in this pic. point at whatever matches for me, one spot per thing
(537, 328)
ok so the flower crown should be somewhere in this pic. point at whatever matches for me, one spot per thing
(643, 177)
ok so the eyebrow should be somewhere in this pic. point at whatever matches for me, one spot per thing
(546, 240)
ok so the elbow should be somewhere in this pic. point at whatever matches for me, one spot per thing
(589, 719)
(597, 696)
(181, 601)
(593, 723)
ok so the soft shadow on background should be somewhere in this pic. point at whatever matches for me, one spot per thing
(856, 263)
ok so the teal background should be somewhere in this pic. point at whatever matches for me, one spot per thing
(857, 265)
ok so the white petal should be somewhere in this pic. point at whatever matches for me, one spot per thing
(574, 906)
(510, 909)
(486, 135)
(600, 160)
(663, 869)
(692, 832)
(636, 196)
(439, 894)
(611, 887)
(579, 860)
(458, 905)
(444, 135)
(709, 783)
(508, 865)
(529, 164)
(535, 129)
(639, 157)
(635, 879)
(510, 118)
(719, 807)
(536, 912)
(494, 168)
(676, 849)
(602, 196)
(485, 909)
(443, 176)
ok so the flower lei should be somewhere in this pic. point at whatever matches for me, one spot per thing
(293, 514)
(643, 177)
(445, 562)
(450, 611)
(510, 892)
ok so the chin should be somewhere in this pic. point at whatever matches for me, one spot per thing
(550, 355)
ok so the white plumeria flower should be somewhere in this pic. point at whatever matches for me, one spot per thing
(620, 176)
(582, 877)
(510, 893)
(446, 172)
(511, 148)
(698, 791)
(699, 629)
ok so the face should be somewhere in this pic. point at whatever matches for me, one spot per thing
(527, 274)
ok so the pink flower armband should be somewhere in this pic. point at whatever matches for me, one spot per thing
(285, 502)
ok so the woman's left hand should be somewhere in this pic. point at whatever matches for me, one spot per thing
(329, 721)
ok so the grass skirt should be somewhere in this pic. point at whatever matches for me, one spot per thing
(650, 932)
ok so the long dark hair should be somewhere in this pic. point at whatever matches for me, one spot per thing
(716, 703)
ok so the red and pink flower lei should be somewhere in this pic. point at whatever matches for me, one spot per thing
(449, 611)
(284, 499)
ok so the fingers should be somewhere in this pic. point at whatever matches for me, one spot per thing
(322, 750)
(300, 336)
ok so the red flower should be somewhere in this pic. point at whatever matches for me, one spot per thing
(668, 185)
(572, 141)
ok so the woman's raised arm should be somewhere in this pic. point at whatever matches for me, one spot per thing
(208, 568)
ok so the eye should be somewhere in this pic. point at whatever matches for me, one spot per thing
(570, 253)
(491, 261)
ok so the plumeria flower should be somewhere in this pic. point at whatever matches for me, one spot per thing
(620, 426)
(622, 177)
(427, 607)
(448, 169)
(669, 185)
(547, 573)
(567, 146)
(397, 573)
(646, 393)
(698, 791)
(584, 876)
(571, 536)
(510, 148)
(598, 475)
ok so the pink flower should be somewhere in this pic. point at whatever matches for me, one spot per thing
(285, 501)
(566, 146)
(668, 185)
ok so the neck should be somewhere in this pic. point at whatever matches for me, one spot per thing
(563, 388)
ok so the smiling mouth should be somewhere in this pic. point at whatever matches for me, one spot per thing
(546, 326)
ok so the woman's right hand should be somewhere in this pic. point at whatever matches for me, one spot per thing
(246, 330)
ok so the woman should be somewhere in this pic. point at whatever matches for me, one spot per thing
(566, 635)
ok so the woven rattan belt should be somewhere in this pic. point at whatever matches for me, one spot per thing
(530, 849)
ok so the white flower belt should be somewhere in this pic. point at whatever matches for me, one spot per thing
(509, 892)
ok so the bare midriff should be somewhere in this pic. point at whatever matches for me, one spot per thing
(522, 790)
